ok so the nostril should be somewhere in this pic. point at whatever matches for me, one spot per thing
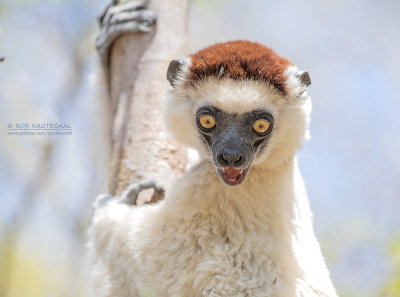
(222, 161)
(240, 161)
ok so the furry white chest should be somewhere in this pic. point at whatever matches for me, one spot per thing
(216, 246)
(239, 261)
(201, 258)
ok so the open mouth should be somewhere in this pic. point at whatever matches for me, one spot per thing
(232, 176)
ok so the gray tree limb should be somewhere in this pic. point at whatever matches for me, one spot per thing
(136, 65)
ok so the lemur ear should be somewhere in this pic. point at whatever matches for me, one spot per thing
(175, 69)
(304, 78)
(297, 82)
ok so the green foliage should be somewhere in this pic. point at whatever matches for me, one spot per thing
(392, 287)
(25, 273)
(21, 273)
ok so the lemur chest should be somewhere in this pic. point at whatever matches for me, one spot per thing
(235, 264)
(217, 261)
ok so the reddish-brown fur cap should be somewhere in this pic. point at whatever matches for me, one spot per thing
(240, 60)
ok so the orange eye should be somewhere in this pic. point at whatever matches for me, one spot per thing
(261, 126)
(207, 121)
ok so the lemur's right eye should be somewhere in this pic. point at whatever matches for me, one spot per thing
(207, 121)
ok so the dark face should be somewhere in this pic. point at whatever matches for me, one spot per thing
(234, 139)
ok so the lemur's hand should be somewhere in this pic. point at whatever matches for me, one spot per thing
(122, 17)
(130, 195)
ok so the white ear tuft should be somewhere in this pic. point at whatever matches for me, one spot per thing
(177, 71)
(297, 81)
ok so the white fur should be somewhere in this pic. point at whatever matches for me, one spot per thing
(293, 82)
(208, 239)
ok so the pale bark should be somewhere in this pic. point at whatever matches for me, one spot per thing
(141, 146)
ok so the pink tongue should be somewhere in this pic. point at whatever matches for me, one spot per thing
(232, 172)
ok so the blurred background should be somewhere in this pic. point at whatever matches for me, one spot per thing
(351, 165)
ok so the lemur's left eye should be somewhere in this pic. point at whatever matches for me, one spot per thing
(261, 126)
(207, 121)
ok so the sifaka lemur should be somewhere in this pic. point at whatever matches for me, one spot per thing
(239, 222)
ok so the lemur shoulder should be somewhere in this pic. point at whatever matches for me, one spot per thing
(239, 222)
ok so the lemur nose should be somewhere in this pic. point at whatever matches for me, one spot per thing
(231, 158)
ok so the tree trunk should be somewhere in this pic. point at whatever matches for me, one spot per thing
(141, 146)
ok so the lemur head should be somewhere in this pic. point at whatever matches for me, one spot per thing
(240, 105)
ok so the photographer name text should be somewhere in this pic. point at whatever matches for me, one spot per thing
(44, 128)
